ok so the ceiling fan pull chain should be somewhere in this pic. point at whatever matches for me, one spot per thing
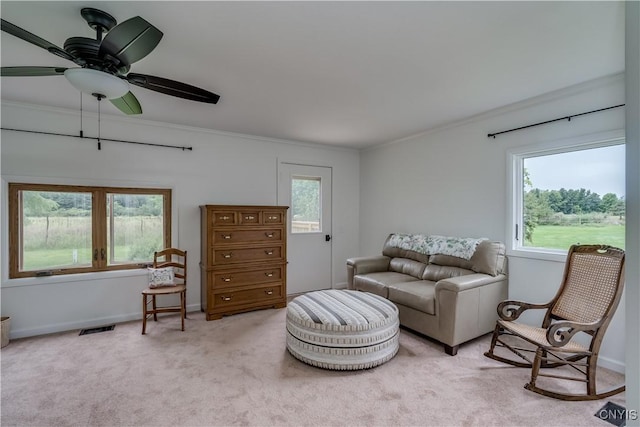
(81, 131)
(99, 143)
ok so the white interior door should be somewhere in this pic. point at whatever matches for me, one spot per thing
(307, 192)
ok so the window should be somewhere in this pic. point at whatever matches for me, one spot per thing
(305, 204)
(568, 195)
(59, 229)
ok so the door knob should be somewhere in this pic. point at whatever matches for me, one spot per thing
(327, 237)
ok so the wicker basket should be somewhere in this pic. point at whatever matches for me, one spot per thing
(6, 326)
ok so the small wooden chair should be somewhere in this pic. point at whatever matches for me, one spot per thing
(586, 301)
(167, 258)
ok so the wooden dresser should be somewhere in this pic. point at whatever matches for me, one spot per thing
(243, 263)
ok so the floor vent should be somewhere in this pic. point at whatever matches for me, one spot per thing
(98, 329)
(613, 414)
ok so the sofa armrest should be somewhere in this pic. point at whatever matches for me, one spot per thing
(466, 306)
(364, 265)
(468, 281)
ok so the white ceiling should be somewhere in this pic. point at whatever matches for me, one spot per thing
(351, 74)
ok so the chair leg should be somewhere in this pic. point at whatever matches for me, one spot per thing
(494, 340)
(185, 304)
(183, 308)
(591, 375)
(590, 385)
(144, 313)
(155, 313)
(535, 369)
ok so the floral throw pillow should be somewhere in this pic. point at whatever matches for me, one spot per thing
(161, 277)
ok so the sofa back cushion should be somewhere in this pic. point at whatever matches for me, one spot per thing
(407, 266)
(395, 252)
(489, 258)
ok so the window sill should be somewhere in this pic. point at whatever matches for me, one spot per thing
(67, 278)
(538, 254)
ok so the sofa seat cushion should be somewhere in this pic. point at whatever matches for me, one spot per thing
(435, 272)
(418, 294)
(377, 283)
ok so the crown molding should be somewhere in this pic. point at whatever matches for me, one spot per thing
(516, 106)
(166, 125)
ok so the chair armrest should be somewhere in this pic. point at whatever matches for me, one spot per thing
(560, 333)
(371, 264)
(468, 281)
(511, 310)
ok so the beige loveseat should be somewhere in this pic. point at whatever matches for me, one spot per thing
(451, 298)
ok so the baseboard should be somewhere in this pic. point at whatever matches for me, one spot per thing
(614, 365)
(82, 324)
(335, 286)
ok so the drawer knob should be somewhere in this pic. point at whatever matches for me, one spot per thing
(273, 217)
(227, 256)
(249, 217)
(226, 279)
(225, 217)
(269, 235)
(268, 252)
(225, 298)
(269, 274)
(268, 292)
(226, 236)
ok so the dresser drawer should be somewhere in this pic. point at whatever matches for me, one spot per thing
(221, 237)
(226, 217)
(239, 255)
(249, 217)
(238, 297)
(236, 278)
(273, 217)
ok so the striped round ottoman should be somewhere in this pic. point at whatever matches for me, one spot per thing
(342, 329)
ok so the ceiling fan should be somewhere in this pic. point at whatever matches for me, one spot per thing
(104, 63)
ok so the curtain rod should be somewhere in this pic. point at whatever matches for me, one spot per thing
(100, 139)
(568, 118)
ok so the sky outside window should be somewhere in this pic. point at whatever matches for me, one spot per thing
(600, 170)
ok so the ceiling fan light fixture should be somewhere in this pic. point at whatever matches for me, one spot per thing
(97, 82)
(103, 63)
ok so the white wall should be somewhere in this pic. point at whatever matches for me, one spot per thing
(222, 169)
(632, 83)
(452, 181)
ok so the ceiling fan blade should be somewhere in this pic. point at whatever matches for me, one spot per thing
(173, 88)
(25, 35)
(128, 104)
(130, 41)
(31, 71)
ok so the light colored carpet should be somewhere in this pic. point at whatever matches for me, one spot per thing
(237, 371)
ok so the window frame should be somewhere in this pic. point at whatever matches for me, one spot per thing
(515, 187)
(99, 222)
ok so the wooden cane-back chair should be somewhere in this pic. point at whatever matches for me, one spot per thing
(177, 260)
(586, 301)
